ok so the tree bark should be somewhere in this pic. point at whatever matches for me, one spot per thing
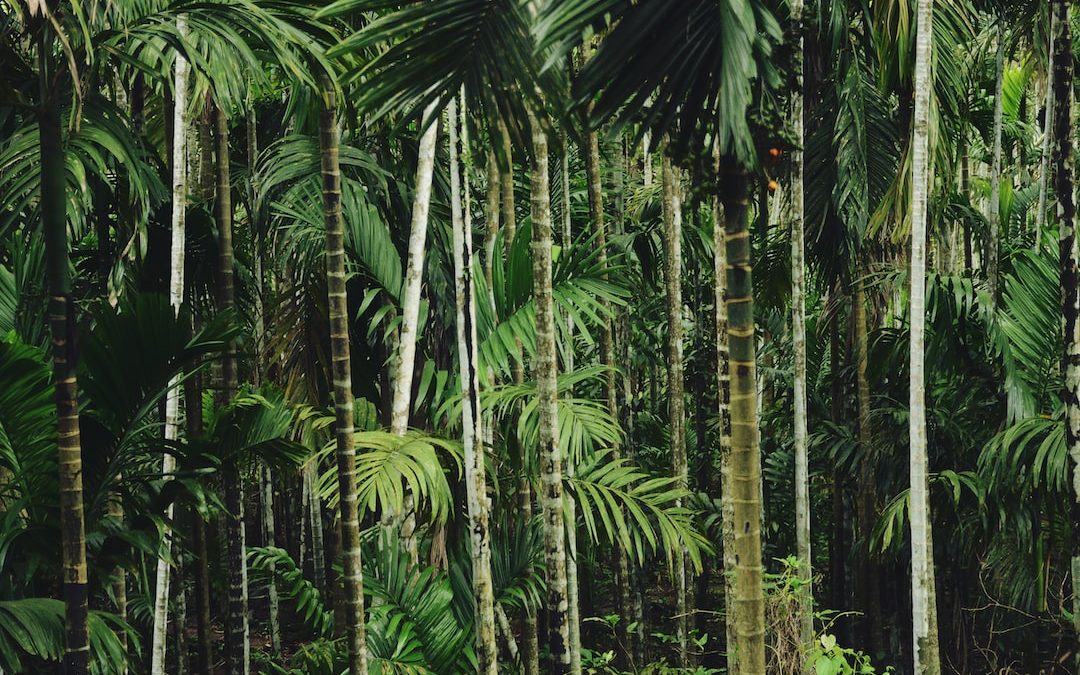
(672, 215)
(994, 215)
(342, 375)
(546, 367)
(531, 651)
(1048, 138)
(869, 572)
(176, 298)
(572, 588)
(1064, 187)
(923, 601)
(62, 324)
(745, 480)
(410, 309)
(471, 419)
(237, 630)
(798, 339)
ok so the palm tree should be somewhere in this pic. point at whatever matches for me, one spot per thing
(410, 305)
(546, 371)
(745, 480)
(672, 209)
(238, 648)
(176, 298)
(471, 418)
(341, 371)
(923, 600)
(798, 339)
(994, 215)
(1064, 187)
(62, 325)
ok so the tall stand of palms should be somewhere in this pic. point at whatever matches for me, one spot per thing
(798, 340)
(63, 326)
(1064, 187)
(923, 601)
(745, 480)
(672, 217)
(994, 212)
(341, 371)
(176, 298)
(410, 301)
(471, 420)
(546, 368)
(237, 644)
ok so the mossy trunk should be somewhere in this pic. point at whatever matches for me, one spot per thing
(745, 478)
(672, 216)
(546, 370)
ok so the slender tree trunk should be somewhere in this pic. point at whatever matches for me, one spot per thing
(672, 213)
(491, 215)
(237, 644)
(531, 655)
(837, 552)
(318, 546)
(745, 480)
(62, 325)
(869, 572)
(176, 298)
(923, 601)
(410, 307)
(475, 479)
(200, 556)
(338, 306)
(798, 338)
(572, 589)
(994, 215)
(1064, 187)
(1048, 138)
(546, 366)
(723, 397)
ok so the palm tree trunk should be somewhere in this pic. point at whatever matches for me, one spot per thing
(546, 366)
(994, 215)
(531, 656)
(723, 396)
(341, 369)
(491, 215)
(471, 420)
(745, 479)
(200, 556)
(176, 298)
(410, 309)
(923, 601)
(573, 595)
(237, 644)
(318, 546)
(1064, 186)
(62, 325)
(869, 571)
(1048, 138)
(676, 413)
(798, 339)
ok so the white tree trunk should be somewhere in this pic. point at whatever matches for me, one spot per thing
(994, 211)
(176, 298)
(405, 361)
(468, 367)
(798, 338)
(1048, 141)
(923, 601)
